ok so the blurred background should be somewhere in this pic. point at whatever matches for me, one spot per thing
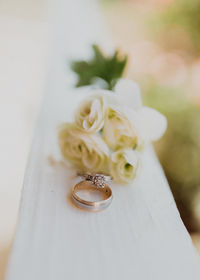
(23, 52)
(162, 40)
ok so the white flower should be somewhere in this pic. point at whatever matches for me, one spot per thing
(149, 124)
(85, 151)
(128, 94)
(118, 131)
(115, 120)
(124, 165)
(90, 114)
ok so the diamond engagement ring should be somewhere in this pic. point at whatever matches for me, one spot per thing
(93, 183)
(99, 180)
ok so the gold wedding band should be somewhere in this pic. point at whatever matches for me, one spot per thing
(105, 191)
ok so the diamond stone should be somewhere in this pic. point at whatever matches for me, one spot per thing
(99, 180)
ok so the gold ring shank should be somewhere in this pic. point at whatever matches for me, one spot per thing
(92, 205)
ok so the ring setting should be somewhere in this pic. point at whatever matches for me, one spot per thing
(99, 180)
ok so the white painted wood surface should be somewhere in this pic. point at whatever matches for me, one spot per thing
(140, 236)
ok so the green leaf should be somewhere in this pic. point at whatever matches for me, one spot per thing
(107, 68)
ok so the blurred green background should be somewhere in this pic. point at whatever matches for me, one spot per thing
(162, 40)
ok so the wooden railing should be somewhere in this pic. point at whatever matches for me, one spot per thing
(139, 237)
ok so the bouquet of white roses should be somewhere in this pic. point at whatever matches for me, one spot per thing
(109, 131)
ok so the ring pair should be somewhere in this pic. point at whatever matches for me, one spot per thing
(95, 182)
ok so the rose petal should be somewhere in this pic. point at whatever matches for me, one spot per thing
(131, 157)
(150, 124)
(129, 93)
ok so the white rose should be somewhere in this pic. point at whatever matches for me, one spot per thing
(128, 94)
(124, 165)
(149, 124)
(118, 131)
(85, 151)
(90, 114)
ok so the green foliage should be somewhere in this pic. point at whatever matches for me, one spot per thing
(179, 25)
(186, 14)
(107, 68)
